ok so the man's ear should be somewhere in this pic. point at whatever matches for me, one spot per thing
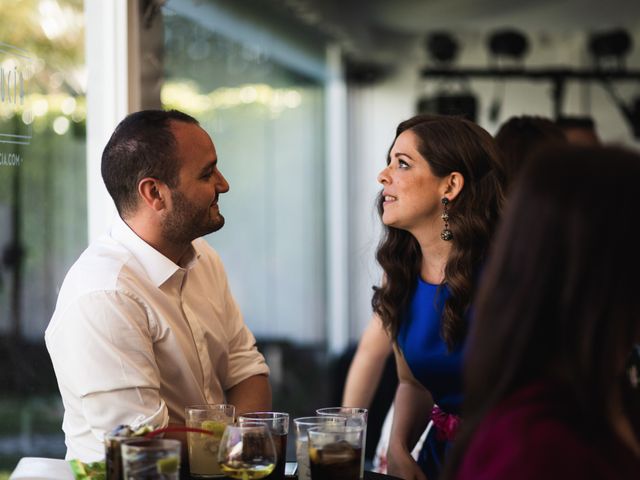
(153, 193)
(454, 182)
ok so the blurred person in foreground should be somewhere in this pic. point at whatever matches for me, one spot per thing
(145, 323)
(520, 137)
(442, 195)
(546, 392)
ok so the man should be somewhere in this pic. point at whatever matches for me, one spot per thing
(145, 323)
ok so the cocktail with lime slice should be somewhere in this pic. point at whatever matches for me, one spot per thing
(112, 442)
(151, 459)
(203, 446)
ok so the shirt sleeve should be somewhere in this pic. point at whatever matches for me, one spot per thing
(244, 358)
(102, 351)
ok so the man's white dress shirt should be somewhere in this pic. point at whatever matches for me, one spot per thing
(135, 338)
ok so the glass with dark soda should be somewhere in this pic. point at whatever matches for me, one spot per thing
(335, 452)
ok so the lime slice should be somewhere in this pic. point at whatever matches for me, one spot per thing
(168, 465)
(214, 426)
(313, 454)
(88, 471)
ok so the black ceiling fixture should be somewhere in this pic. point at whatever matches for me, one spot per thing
(450, 98)
(507, 46)
(365, 73)
(612, 45)
(508, 43)
(442, 47)
(606, 48)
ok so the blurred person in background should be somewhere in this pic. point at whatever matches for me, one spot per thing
(579, 130)
(546, 391)
(519, 137)
(145, 323)
(441, 198)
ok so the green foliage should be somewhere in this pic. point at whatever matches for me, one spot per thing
(37, 414)
(52, 31)
(46, 190)
(7, 463)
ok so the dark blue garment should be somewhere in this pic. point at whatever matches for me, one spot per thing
(439, 370)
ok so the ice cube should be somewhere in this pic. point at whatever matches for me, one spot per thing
(339, 452)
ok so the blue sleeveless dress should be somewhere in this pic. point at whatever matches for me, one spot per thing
(439, 370)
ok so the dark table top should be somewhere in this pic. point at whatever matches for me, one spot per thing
(378, 476)
(367, 476)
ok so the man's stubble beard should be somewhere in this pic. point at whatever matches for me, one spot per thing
(186, 222)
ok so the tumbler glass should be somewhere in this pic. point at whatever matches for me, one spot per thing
(355, 417)
(151, 459)
(335, 452)
(302, 425)
(278, 423)
(203, 446)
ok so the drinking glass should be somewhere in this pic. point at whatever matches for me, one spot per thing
(113, 455)
(151, 458)
(278, 424)
(112, 442)
(355, 417)
(203, 446)
(247, 451)
(303, 424)
(335, 452)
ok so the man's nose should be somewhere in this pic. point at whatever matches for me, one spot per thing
(222, 185)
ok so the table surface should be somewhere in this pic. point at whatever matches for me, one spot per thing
(32, 468)
(367, 476)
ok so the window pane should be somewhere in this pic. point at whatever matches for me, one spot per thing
(42, 210)
(267, 124)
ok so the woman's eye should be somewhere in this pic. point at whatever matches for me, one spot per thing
(403, 164)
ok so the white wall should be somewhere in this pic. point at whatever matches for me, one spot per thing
(375, 111)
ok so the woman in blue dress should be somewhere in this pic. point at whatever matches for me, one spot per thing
(441, 198)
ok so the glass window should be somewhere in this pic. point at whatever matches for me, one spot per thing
(266, 121)
(43, 226)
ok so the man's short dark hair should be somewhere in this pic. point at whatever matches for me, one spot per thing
(142, 145)
(575, 122)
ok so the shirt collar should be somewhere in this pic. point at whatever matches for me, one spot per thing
(158, 267)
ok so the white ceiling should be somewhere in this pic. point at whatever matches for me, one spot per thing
(418, 16)
(376, 29)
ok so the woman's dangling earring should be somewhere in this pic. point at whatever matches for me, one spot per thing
(446, 234)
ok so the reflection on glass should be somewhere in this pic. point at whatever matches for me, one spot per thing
(267, 123)
(43, 226)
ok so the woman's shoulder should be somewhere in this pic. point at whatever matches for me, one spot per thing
(527, 436)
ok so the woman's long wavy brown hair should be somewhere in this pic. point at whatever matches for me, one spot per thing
(448, 144)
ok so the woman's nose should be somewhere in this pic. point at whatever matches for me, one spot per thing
(383, 176)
